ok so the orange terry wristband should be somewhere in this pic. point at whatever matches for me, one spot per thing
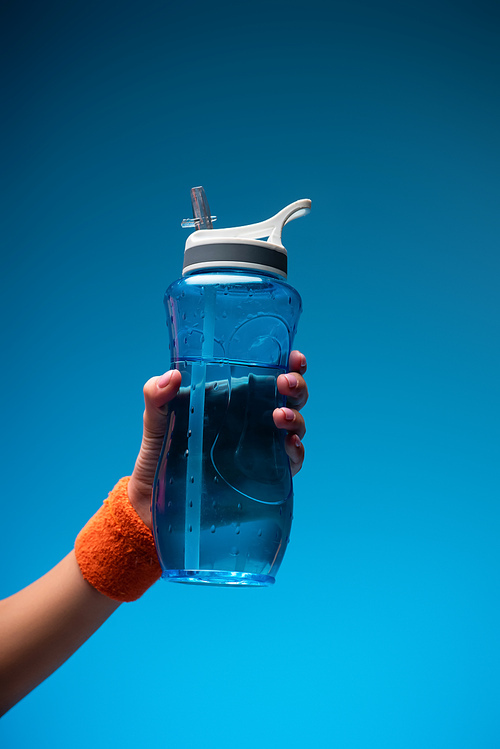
(116, 551)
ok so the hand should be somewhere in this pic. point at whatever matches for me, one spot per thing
(159, 391)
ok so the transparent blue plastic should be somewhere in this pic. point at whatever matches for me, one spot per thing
(222, 498)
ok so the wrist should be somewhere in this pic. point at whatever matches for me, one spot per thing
(116, 551)
(139, 495)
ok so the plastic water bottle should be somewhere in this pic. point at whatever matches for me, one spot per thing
(222, 498)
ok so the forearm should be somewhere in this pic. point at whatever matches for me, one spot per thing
(43, 625)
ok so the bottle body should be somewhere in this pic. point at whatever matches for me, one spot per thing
(222, 499)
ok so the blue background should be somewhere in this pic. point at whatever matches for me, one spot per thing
(383, 627)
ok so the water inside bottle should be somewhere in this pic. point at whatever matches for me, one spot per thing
(223, 494)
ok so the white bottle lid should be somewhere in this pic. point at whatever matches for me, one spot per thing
(240, 247)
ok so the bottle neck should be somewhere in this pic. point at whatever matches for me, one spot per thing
(231, 271)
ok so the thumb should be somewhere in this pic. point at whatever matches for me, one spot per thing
(158, 391)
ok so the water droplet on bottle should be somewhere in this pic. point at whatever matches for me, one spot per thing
(281, 511)
(259, 532)
(234, 551)
(289, 300)
(216, 385)
(170, 529)
(185, 340)
(184, 315)
(216, 479)
(192, 479)
(186, 453)
(193, 386)
(171, 481)
(239, 505)
(214, 504)
(192, 409)
(238, 530)
(212, 529)
(224, 314)
(190, 528)
(189, 433)
(169, 503)
(202, 338)
(191, 503)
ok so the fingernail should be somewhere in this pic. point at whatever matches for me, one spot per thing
(292, 380)
(296, 440)
(288, 414)
(164, 379)
(303, 362)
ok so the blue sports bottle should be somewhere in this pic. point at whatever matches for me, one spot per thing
(222, 497)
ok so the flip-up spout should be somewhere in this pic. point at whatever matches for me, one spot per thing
(202, 219)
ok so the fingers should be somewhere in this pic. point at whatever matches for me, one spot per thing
(295, 451)
(297, 362)
(293, 386)
(291, 420)
(158, 391)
